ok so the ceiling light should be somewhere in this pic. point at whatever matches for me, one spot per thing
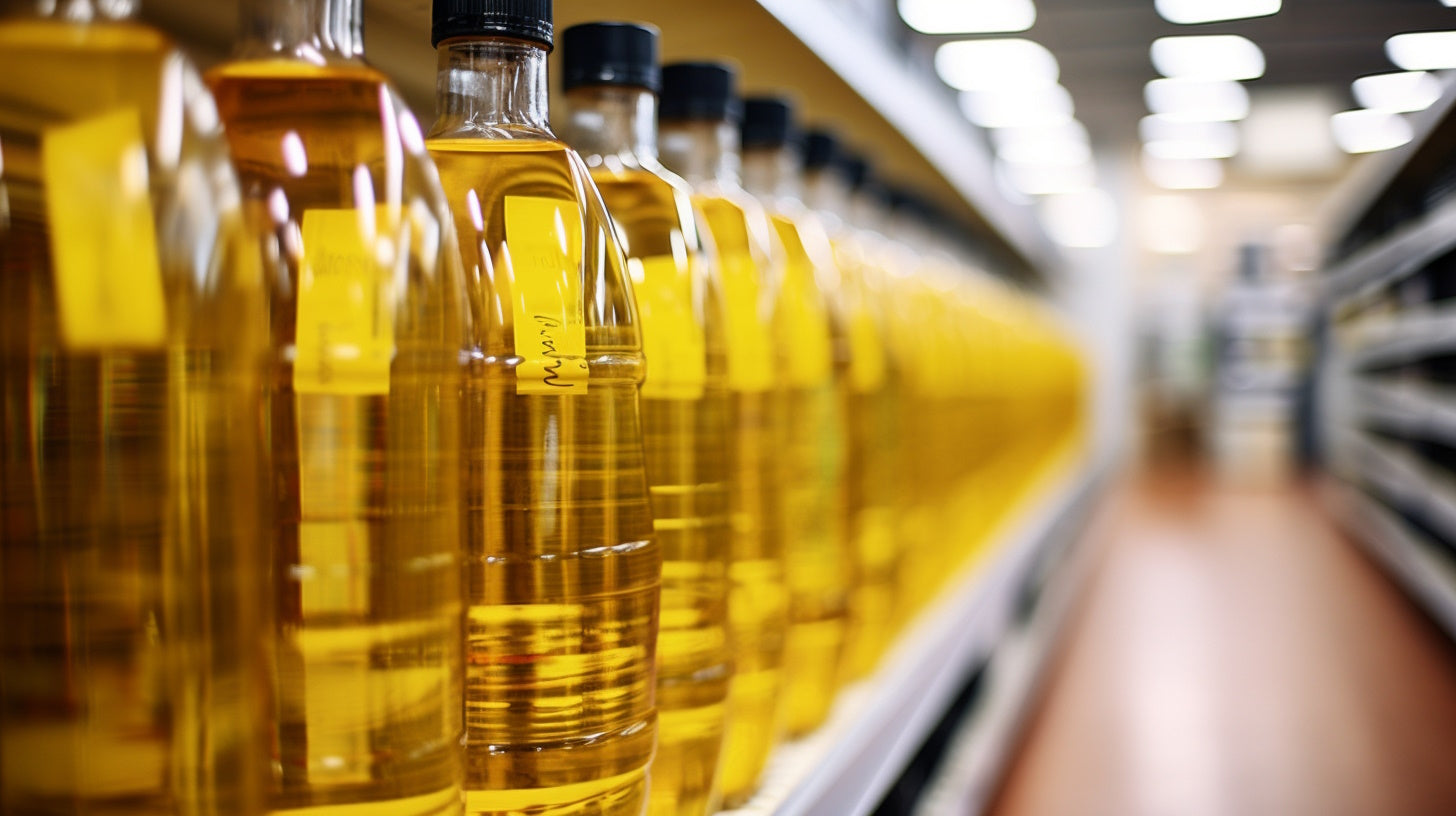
(975, 65)
(1220, 56)
(1158, 127)
(1423, 50)
(1085, 219)
(1050, 150)
(1043, 179)
(1401, 92)
(1188, 12)
(1197, 100)
(1183, 174)
(1368, 131)
(1027, 107)
(1066, 130)
(1192, 148)
(961, 17)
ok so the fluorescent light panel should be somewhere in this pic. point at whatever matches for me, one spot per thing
(1219, 56)
(1047, 151)
(1197, 100)
(1158, 127)
(1026, 107)
(1400, 92)
(1423, 50)
(1067, 130)
(1192, 12)
(968, 16)
(977, 65)
(1085, 219)
(1368, 131)
(1040, 179)
(1183, 174)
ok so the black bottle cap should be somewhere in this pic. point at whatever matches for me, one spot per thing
(768, 121)
(521, 19)
(699, 90)
(610, 54)
(821, 150)
(856, 170)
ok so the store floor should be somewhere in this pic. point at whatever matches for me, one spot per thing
(1233, 655)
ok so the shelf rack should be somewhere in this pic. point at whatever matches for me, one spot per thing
(838, 69)
(1387, 376)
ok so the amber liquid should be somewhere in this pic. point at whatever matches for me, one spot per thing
(758, 598)
(367, 551)
(686, 442)
(129, 476)
(564, 570)
(820, 560)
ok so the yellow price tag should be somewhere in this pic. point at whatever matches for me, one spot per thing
(344, 339)
(108, 276)
(672, 336)
(544, 244)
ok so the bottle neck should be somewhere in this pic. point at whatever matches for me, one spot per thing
(492, 87)
(702, 152)
(827, 191)
(771, 172)
(312, 30)
(78, 11)
(610, 121)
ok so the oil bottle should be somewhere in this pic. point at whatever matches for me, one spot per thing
(133, 335)
(820, 561)
(611, 79)
(867, 396)
(700, 117)
(368, 330)
(564, 571)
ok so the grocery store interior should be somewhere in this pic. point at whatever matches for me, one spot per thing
(756, 407)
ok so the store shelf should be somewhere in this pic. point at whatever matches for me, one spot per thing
(845, 767)
(1426, 576)
(841, 73)
(1394, 257)
(1412, 410)
(1411, 335)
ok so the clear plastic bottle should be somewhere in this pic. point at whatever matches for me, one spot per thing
(820, 558)
(611, 80)
(699, 120)
(131, 348)
(369, 321)
(564, 571)
(868, 395)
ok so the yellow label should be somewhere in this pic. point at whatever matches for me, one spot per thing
(803, 316)
(867, 352)
(108, 276)
(750, 347)
(344, 340)
(543, 238)
(672, 336)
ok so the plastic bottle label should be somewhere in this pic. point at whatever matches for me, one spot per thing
(543, 267)
(108, 277)
(344, 339)
(672, 336)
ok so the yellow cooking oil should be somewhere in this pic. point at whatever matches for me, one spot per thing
(368, 332)
(564, 569)
(133, 335)
(820, 563)
(613, 124)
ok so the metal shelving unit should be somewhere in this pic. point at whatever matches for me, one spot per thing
(1388, 371)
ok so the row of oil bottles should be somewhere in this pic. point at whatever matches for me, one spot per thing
(348, 526)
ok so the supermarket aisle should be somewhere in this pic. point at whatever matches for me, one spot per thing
(1235, 656)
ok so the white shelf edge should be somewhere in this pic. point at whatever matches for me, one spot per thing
(1424, 576)
(1394, 256)
(932, 125)
(1409, 336)
(877, 725)
(1421, 411)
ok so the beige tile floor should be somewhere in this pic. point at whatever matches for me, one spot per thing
(1234, 654)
